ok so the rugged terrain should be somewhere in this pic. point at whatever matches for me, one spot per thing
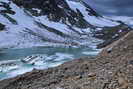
(30, 23)
(111, 69)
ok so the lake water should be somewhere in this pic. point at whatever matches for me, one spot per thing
(18, 61)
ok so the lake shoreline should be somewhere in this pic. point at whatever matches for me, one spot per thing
(14, 62)
(111, 69)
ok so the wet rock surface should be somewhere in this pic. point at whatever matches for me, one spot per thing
(109, 70)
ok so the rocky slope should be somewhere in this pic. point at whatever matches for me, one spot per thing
(111, 69)
(29, 23)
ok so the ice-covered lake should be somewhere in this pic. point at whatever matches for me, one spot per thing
(18, 61)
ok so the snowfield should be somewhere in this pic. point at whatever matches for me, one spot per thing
(29, 31)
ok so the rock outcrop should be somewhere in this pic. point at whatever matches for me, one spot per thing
(111, 34)
(6, 8)
(2, 27)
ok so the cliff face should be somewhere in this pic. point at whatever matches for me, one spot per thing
(111, 69)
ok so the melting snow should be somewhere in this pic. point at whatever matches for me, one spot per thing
(26, 33)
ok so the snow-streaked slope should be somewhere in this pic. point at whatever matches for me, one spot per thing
(29, 31)
(125, 19)
(101, 22)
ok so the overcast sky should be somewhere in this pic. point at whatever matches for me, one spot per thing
(112, 7)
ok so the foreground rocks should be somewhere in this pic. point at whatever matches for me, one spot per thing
(111, 69)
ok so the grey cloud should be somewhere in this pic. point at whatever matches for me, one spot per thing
(112, 7)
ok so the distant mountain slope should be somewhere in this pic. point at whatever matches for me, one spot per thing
(28, 23)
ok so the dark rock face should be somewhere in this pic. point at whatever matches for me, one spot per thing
(6, 10)
(2, 27)
(111, 34)
(6, 7)
(56, 10)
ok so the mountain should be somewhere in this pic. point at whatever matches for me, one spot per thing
(28, 23)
